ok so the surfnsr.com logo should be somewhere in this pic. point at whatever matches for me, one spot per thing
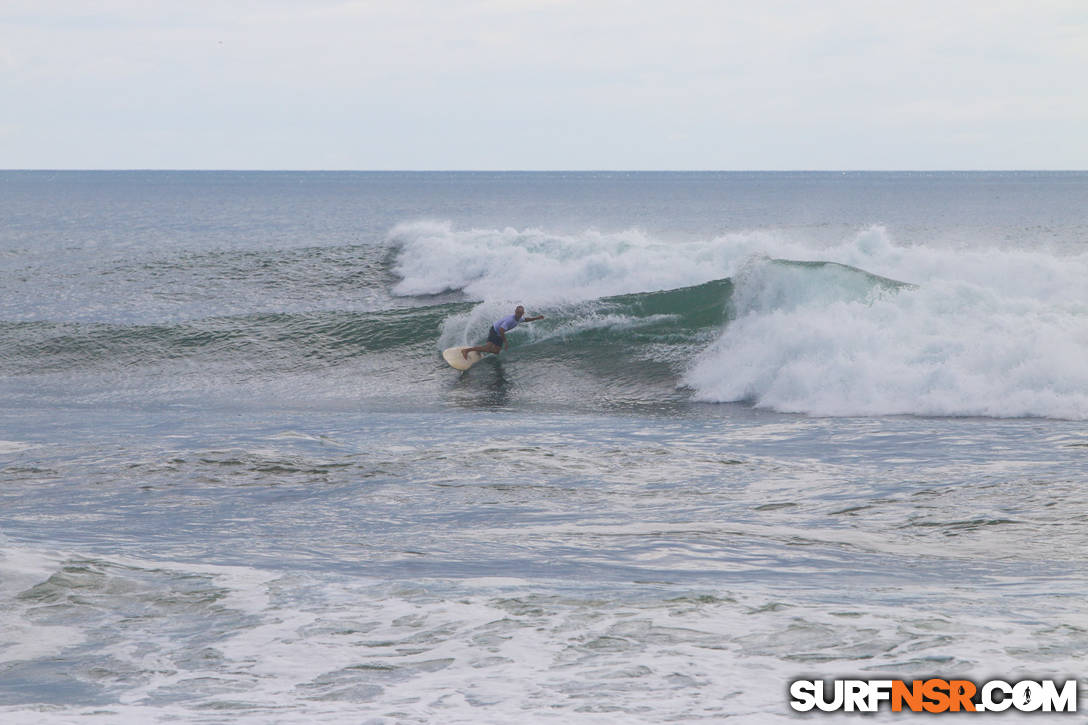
(933, 695)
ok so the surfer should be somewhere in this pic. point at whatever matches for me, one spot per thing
(496, 334)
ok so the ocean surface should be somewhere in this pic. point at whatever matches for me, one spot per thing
(773, 426)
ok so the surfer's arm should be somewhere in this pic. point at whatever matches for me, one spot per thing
(533, 319)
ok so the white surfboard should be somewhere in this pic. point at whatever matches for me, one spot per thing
(453, 356)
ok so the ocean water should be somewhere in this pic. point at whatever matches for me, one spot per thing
(774, 426)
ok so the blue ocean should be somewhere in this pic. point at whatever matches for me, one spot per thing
(773, 426)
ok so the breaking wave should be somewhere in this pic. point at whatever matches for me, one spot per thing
(867, 327)
(863, 328)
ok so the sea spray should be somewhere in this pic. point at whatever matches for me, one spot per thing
(539, 267)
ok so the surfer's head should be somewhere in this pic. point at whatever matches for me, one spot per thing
(519, 311)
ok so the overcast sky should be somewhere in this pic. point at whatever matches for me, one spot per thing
(544, 84)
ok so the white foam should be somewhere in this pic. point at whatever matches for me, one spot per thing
(992, 333)
(329, 648)
(543, 268)
(21, 638)
(8, 447)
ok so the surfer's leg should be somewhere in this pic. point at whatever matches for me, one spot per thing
(486, 347)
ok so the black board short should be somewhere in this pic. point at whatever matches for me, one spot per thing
(493, 336)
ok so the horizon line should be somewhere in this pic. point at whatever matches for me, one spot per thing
(544, 171)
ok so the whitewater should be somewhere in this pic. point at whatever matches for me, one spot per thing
(773, 426)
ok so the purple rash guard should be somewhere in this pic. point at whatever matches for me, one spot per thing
(507, 323)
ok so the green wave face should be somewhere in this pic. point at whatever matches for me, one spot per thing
(634, 345)
(693, 308)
